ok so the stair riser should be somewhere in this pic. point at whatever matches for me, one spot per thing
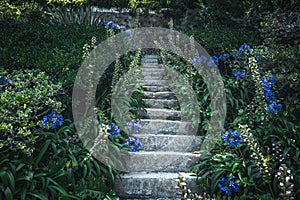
(155, 82)
(159, 95)
(156, 103)
(170, 143)
(151, 188)
(149, 60)
(167, 127)
(162, 162)
(160, 114)
(156, 88)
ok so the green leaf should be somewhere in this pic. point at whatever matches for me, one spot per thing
(8, 194)
(42, 152)
(37, 195)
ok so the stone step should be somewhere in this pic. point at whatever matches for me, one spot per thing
(151, 56)
(159, 95)
(156, 88)
(151, 65)
(148, 71)
(155, 82)
(161, 103)
(169, 127)
(149, 60)
(155, 77)
(157, 113)
(152, 72)
(176, 143)
(152, 185)
(161, 161)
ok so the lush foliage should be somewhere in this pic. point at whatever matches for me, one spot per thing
(257, 154)
(25, 97)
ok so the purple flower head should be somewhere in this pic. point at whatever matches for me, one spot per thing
(274, 107)
(133, 126)
(240, 74)
(113, 130)
(267, 83)
(233, 138)
(228, 186)
(199, 60)
(53, 120)
(112, 25)
(213, 61)
(133, 143)
(224, 56)
(4, 83)
(244, 48)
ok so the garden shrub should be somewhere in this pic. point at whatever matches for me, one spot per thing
(25, 97)
(260, 147)
(59, 168)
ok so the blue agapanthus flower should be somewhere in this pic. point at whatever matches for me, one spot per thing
(112, 25)
(244, 48)
(274, 107)
(240, 74)
(113, 130)
(228, 186)
(4, 83)
(133, 126)
(224, 56)
(214, 60)
(53, 120)
(55, 22)
(199, 60)
(233, 138)
(133, 143)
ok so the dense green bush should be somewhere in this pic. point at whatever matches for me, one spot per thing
(59, 168)
(25, 97)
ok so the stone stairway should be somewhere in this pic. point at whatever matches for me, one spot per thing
(167, 143)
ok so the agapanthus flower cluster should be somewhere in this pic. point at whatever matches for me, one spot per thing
(233, 138)
(268, 94)
(133, 143)
(229, 186)
(244, 48)
(285, 179)
(4, 83)
(112, 25)
(240, 73)
(203, 60)
(53, 120)
(133, 126)
(212, 61)
(224, 56)
(113, 130)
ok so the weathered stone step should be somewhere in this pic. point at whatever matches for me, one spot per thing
(148, 71)
(159, 95)
(156, 88)
(149, 60)
(162, 161)
(161, 103)
(152, 185)
(151, 65)
(158, 113)
(155, 82)
(176, 143)
(169, 127)
(152, 72)
(150, 56)
(154, 77)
